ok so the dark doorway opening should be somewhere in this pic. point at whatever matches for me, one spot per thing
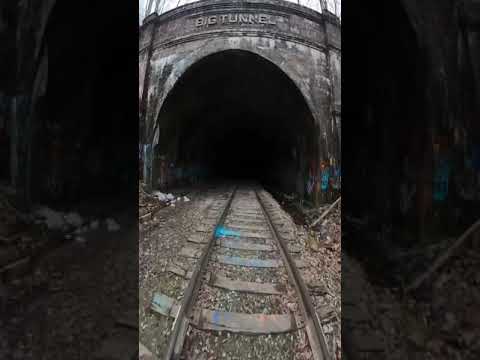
(236, 115)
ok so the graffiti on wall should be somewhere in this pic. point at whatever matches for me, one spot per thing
(325, 179)
(441, 180)
(336, 178)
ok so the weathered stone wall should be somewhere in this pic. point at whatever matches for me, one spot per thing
(412, 119)
(304, 44)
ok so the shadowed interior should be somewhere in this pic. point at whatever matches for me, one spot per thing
(236, 115)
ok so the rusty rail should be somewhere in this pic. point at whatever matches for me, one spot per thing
(313, 327)
(311, 321)
(180, 326)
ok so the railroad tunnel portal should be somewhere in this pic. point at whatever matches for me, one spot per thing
(234, 114)
(251, 99)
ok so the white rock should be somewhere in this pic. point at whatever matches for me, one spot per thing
(160, 196)
(186, 199)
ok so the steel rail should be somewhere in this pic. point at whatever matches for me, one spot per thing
(182, 320)
(313, 327)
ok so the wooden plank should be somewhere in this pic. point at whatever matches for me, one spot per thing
(17, 267)
(191, 252)
(244, 244)
(205, 228)
(249, 324)
(177, 270)
(164, 305)
(234, 225)
(441, 259)
(198, 239)
(325, 313)
(247, 217)
(258, 235)
(326, 212)
(246, 286)
(250, 239)
(257, 221)
(254, 262)
(249, 262)
(258, 215)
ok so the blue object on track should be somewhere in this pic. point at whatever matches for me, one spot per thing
(224, 232)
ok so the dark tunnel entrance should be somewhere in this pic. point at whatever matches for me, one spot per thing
(234, 115)
(408, 123)
(84, 145)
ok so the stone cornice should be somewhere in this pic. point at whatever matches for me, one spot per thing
(244, 33)
(230, 32)
(206, 6)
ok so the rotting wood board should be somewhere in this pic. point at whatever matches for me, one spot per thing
(245, 286)
(164, 305)
(177, 270)
(244, 245)
(249, 262)
(244, 227)
(248, 324)
(253, 234)
(198, 239)
(254, 262)
(190, 252)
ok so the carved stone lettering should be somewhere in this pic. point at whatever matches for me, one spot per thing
(242, 18)
(233, 19)
(223, 18)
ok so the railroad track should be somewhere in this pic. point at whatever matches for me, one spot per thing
(241, 249)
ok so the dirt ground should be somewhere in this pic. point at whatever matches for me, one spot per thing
(72, 293)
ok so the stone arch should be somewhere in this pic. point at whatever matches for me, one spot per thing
(275, 58)
(283, 113)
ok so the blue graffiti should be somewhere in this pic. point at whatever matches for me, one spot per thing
(440, 181)
(336, 179)
(310, 185)
(325, 179)
(224, 232)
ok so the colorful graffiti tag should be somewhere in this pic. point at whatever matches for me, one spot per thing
(441, 180)
(324, 178)
(336, 179)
